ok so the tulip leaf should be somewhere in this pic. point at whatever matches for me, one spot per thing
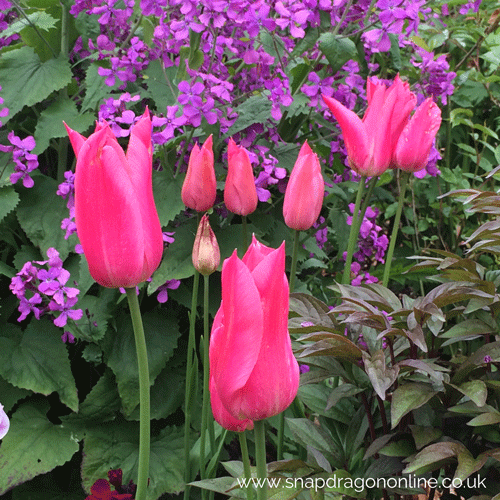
(23, 69)
(33, 445)
(116, 446)
(161, 339)
(35, 359)
(40, 215)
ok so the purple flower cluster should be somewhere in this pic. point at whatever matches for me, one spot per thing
(372, 245)
(44, 291)
(7, 16)
(24, 161)
(67, 191)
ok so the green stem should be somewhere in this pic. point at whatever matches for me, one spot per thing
(206, 400)
(260, 457)
(295, 252)
(405, 176)
(144, 403)
(353, 233)
(189, 378)
(245, 232)
(246, 463)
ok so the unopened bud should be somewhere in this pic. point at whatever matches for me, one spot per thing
(206, 253)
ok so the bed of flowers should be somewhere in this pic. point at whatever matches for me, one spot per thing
(249, 249)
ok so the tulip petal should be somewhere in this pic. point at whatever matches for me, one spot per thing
(353, 130)
(236, 346)
(273, 384)
(255, 253)
(415, 142)
(222, 416)
(77, 140)
(105, 211)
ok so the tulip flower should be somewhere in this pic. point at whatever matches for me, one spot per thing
(206, 254)
(415, 142)
(200, 186)
(240, 193)
(115, 213)
(370, 142)
(304, 192)
(253, 373)
(4, 423)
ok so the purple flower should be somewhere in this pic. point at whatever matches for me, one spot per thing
(170, 123)
(68, 337)
(162, 296)
(4, 423)
(24, 161)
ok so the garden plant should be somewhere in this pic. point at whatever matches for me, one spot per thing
(249, 249)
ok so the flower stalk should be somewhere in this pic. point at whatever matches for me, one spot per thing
(144, 397)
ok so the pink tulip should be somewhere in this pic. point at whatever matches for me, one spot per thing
(200, 186)
(370, 142)
(305, 191)
(253, 373)
(415, 142)
(4, 422)
(115, 213)
(240, 193)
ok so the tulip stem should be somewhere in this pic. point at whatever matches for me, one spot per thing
(245, 232)
(295, 252)
(405, 176)
(260, 458)
(353, 233)
(246, 463)
(206, 401)
(189, 381)
(144, 403)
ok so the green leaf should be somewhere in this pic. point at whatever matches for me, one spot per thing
(256, 109)
(40, 215)
(307, 434)
(177, 262)
(161, 334)
(342, 391)
(33, 446)
(160, 82)
(40, 19)
(96, 88)
(8, 200)
(116, 446)
(436, 455)
(337, 50)
(424, 435)
(23, 69)
(407, 397)
(37, 360)
(167, 192)
(485, 419)
(11, 395)
(50, 123)
(475, 390)
(381, 376)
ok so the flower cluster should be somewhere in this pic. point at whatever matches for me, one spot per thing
(24, 161)
(372, 245)
(67, 191)
(44, 291)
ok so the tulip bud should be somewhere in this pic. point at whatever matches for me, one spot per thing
(305, 191)
(415, 142)
(206, 254)
(115, 212)
(240, 193)
(200, 186)
(4, 423)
